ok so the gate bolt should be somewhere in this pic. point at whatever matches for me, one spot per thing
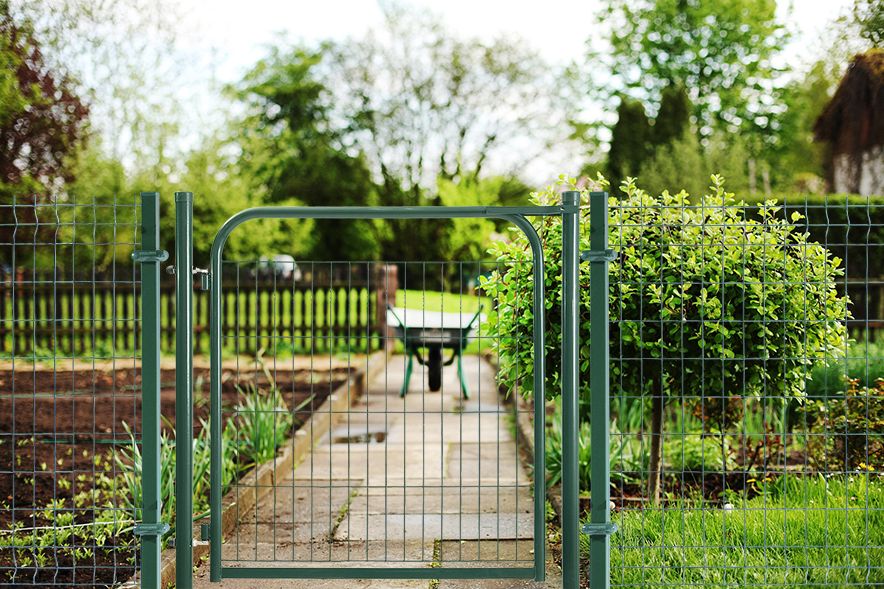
(201, 272)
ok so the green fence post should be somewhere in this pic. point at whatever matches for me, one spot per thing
(184, 389)
(569, 380)
(150, 528)
(600, 527)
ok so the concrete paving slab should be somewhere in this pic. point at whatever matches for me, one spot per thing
(429, 480)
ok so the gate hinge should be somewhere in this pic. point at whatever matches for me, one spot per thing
(599, 529)
(150, 256)
(157, 529)
(594, 256)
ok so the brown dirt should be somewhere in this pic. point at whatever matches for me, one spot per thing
(57, 430)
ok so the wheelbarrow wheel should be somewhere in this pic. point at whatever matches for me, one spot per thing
(434, 369)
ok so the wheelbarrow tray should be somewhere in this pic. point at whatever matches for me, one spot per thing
(420, 329)
(433, 331)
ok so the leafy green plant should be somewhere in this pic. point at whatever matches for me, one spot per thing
(625, 452)
(709, 261)
(851, 428)
(262, 424)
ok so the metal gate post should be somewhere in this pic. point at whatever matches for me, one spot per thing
(600, 527)
(570, 341)
(150, 528)
(184, 389)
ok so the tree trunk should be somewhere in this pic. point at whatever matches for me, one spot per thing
(654, 474)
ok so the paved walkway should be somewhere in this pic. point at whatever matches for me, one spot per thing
(430, 480)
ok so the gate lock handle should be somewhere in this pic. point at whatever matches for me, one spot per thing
(150, 256)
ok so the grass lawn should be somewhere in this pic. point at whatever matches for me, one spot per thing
(812, 533)
(447, 302)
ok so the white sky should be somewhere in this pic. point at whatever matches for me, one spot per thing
(223, 39)
(238, 31)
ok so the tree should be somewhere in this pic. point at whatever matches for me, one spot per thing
(125, 58)
(423, 103)
(291, 145)
(673, 118)
(41, 124)
(868, 15)
(714, 264)
(721, 52)
(797, 156)
(41, 118)
(630, 140)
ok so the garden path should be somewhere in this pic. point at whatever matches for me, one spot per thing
(439, 483)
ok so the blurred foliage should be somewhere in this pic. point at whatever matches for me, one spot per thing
(868, 15)
(849, 428)
(720, 52)
(630, 140)
(407, 114)
(686, 162)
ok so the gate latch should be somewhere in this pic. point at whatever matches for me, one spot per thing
(599, 529)
(204, 277)
(201, 272)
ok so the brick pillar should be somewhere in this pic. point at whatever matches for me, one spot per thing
(386, 277)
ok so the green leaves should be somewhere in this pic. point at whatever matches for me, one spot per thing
(707, 287)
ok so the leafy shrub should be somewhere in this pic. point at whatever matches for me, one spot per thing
(849, 428)
(685, 281)
(846, 224)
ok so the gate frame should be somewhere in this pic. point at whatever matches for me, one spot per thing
(569, 211)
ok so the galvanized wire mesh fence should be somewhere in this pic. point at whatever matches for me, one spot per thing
(747, 393)
(70, 401)
(747, 400)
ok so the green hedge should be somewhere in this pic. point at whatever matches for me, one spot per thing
(849, 225)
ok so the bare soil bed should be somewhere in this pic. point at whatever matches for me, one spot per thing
(57, 431)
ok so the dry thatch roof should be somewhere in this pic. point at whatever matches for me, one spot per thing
(853, 121)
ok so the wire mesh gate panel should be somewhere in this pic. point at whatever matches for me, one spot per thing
(70, 390)
(404, 480)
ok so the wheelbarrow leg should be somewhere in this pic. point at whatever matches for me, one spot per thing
(460, 375)
(408, 366)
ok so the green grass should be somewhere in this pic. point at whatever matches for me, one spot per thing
(808, 532)
(446, 302)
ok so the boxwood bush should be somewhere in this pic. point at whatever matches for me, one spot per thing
(709, 298)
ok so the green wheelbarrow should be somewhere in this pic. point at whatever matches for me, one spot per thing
(433, 332)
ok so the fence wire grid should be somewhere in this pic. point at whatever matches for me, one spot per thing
(747, 356)
(431, 477)
(69, 392)
(747, 400)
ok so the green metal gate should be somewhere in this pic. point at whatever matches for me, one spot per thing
(337, 557)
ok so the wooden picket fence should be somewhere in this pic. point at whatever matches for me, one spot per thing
(47, 315)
